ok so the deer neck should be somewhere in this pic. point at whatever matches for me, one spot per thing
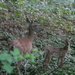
(67, 46)
(31, 34)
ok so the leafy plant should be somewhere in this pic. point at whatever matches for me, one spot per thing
(14, 56)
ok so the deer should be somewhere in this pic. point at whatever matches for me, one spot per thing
(25, 44)
(59, 52)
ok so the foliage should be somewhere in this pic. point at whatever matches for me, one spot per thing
(8, 59)
(55, 16)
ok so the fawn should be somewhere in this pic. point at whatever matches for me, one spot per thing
(25, 44)
(59, 52)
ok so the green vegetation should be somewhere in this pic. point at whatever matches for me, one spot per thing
(57, 20)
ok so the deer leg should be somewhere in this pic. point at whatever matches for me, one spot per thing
(18, 67)
(62, 62)
(59, 60)
(47, 60)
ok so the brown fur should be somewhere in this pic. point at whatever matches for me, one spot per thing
(24, 44)
(59, 52)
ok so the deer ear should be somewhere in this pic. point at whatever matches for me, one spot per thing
(70, 38)
(66, 39)
(27, 20)
(32, 21)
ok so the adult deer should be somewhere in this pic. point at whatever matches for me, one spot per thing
(25, 44)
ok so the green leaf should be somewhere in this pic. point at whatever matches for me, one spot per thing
(9, 58)
(27, 55)
(15, 52)
(1, 4)
(7, 67)
(35, 0)
(15, 58)
(12, 52)
(2, 57)
(32, 57)
(6, 56)
(20, 57)
(20, 2)
(32, 61)
(35, 50)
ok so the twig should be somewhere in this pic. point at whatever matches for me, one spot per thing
(26, 65)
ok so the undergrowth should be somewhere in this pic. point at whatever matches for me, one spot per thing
(57, 20)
